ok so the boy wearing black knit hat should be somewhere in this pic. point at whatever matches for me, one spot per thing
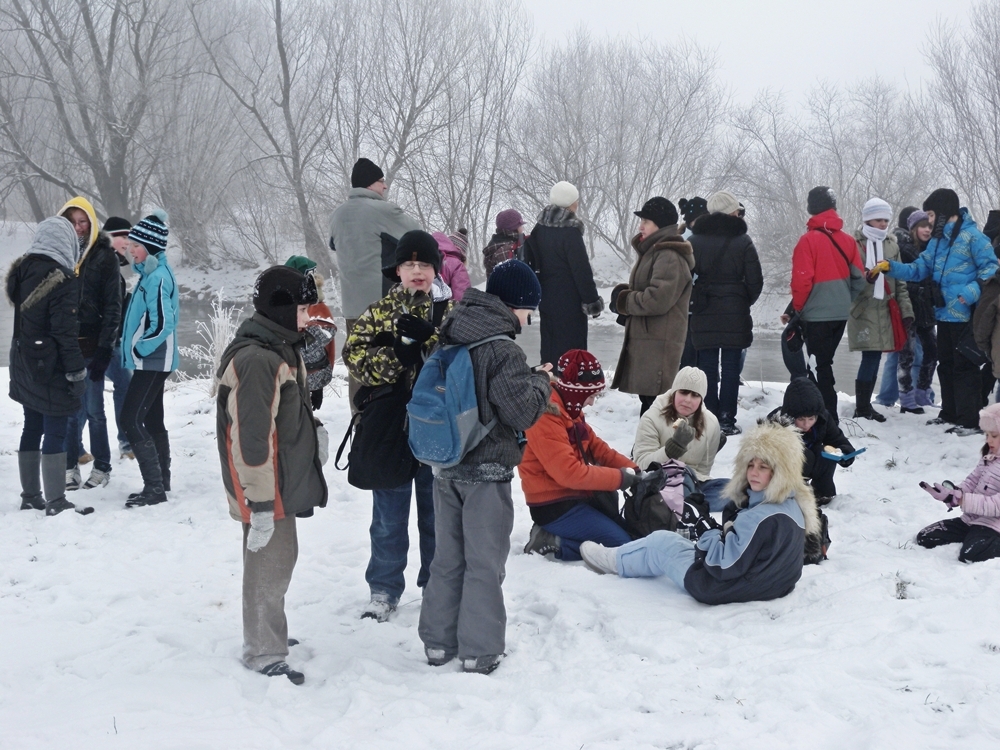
(463, 611)
(270, 447)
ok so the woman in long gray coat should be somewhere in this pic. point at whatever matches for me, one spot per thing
(869, 328)
(655, 303)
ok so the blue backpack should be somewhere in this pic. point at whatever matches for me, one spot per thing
(443, 410)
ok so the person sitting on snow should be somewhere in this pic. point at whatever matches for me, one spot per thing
(758, 553)
(978, 528)
(567, 469)
(804, 403)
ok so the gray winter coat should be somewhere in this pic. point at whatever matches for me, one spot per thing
(506, 388)
(355, 235)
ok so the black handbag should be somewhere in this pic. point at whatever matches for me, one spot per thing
(380, 456)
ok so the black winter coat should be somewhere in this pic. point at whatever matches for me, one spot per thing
(100, 297)
(921, 294)
(559, 256)
(824, 432)
(44, 346)
(729, 280)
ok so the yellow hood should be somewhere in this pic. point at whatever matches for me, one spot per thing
(84, 205)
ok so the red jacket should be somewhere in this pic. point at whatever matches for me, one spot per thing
(552, 467)
(823, 284)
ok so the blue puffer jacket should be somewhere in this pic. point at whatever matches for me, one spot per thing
(149, 340)
(957, 265)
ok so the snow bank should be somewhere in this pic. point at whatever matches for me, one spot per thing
(122, 628)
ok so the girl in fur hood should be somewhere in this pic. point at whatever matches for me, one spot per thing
(978, 497)
(758, 554)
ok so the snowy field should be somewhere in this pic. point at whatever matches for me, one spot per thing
(123, 629)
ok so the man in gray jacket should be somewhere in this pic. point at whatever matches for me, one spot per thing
(356, 230)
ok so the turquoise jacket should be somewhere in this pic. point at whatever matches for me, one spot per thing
(149, 340)
(958, 265)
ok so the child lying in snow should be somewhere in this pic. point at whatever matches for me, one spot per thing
(758, 553)
(978, 528)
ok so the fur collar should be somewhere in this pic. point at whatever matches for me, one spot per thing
(780, 445)
(554, 216)
(721, 225)
(666, 238)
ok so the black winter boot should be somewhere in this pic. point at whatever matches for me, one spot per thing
(29, 466)
(162, 442)
(152, 480)
(863, 397)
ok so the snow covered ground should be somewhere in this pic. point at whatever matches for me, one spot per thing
(122, 628)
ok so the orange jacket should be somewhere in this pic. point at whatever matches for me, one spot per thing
(552, 468)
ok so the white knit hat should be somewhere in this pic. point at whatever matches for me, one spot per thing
(723, 202)
(876, 208)
(691, 379)
(563, 194)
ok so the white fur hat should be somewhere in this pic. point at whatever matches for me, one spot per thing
(723, 202)
(563, 194)
(691, 379)
(876, 208)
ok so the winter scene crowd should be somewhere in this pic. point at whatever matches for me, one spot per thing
(445, 407)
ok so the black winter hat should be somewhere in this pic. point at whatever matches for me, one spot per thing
(658, 210)
(116, 225)
(820, 199)
(515, 284)
(279, 290)
(992, 226)
(802, 399)
(365, 173)
(904, 215)
(692, 209)
(414, 245)
(943, 202)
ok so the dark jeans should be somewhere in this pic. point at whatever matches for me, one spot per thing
(961, 383)
(644, 403)
(142, 412)
(822, 476)
(37, 424)
(722, 394)
(92, 413)
(868, 369)
(120, 378)
(390, 539)
(822, 340)
(978, 542)
(925, 340)
(582, 523)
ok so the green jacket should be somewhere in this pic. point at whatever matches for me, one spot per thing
(869, 327)
(368, 351)
(264, 425)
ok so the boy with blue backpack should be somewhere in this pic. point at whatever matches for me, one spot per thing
(463, 610)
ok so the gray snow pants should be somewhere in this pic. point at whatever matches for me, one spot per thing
(463, 611)
(266, 575)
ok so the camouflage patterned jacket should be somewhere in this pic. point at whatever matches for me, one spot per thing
(368, 350)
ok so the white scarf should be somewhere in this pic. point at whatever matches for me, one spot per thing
(873, 255)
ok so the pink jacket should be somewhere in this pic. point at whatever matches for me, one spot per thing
(981, 494)
(453, 270)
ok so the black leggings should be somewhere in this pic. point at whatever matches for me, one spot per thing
(978, 542)
(142, 411)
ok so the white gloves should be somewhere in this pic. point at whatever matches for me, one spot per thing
(261, 529)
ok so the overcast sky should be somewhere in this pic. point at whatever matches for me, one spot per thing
(780, 44)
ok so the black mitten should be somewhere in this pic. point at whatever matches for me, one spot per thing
(413, 327)
(317, 398)
(407, 354)
(99, 363)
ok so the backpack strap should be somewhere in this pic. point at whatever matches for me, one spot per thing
(437, 312)
(843, 255)
(343, 443)
(488, 339)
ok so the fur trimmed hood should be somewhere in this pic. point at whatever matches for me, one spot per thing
(780, 446)
(665, 238)
(720, 225)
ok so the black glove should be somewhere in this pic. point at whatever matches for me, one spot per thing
(407, 354)
(99, 363)
(317, 398)
(845, 462)
(413, 327)
(729, 513)
(629, 479)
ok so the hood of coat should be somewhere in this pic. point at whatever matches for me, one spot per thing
(663, 239)
(556, 216)
(447, 247)
(720, 225)
(478, 316)
(84, 205)
(829, 220)
(55, 238)
(260, 331)
(780, 446)
(151, 263)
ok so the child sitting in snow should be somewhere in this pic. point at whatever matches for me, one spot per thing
(803, 403)
(978, 528)
(567, 469)
(758, 554)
